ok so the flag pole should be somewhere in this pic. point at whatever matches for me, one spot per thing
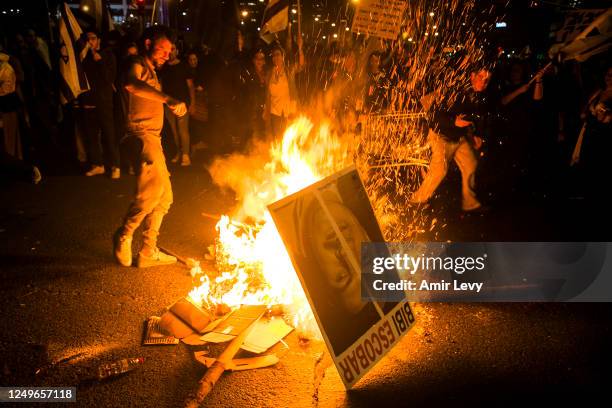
(289, 44)
(153, 11)
(299, 18)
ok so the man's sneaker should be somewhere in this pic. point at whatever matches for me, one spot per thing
(185, 161)
(157, 259)
(115, 173)
(122, 248)
(95, 171)
(176, 158)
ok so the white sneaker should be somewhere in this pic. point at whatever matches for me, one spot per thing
(122, 248)
(95, 171)
(157, 259)
(115, 173)
(186, 161)
(176, 158)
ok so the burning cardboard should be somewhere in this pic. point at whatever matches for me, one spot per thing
(184, 318)
(154, 335)
(265, 334)
(235, 323)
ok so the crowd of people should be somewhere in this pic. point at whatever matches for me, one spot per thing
(518, 124)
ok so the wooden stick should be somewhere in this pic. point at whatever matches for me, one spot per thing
(153, 12)
(542, 70)
(212, 375)
(190, 262)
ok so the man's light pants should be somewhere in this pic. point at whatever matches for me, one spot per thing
(153, 192)
(442, 151)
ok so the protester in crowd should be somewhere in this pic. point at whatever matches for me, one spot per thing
(13, 164)
(454, 134)
(216, 78)
(377, 85)
(145, 117)
(281, 99)
(340, 99)
(238, 84)
(330, 66)
(97, 112)
(519, 108)
(177, 82)
(39, 93)
(198, 109)
(595, 140)
(256, 81)
(9, 107)
(39, 46)
(399, 78)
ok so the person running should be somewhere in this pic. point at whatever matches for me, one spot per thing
(455, 134)
(145, 118)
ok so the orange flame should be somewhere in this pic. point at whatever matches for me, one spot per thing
(254, 266)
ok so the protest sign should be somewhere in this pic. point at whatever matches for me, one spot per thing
(379, 18)
(323, 227)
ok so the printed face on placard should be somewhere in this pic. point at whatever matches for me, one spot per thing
(340, 274)
(323, 228)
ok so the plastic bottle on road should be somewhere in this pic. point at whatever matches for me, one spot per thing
(114, 369)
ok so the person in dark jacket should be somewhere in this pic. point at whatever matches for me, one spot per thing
(454, 134)
(256, 85)
(97, 116)
(177, 81)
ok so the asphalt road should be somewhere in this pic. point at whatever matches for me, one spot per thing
(61, 295)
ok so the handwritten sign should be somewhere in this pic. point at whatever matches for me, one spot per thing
(379, 18)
